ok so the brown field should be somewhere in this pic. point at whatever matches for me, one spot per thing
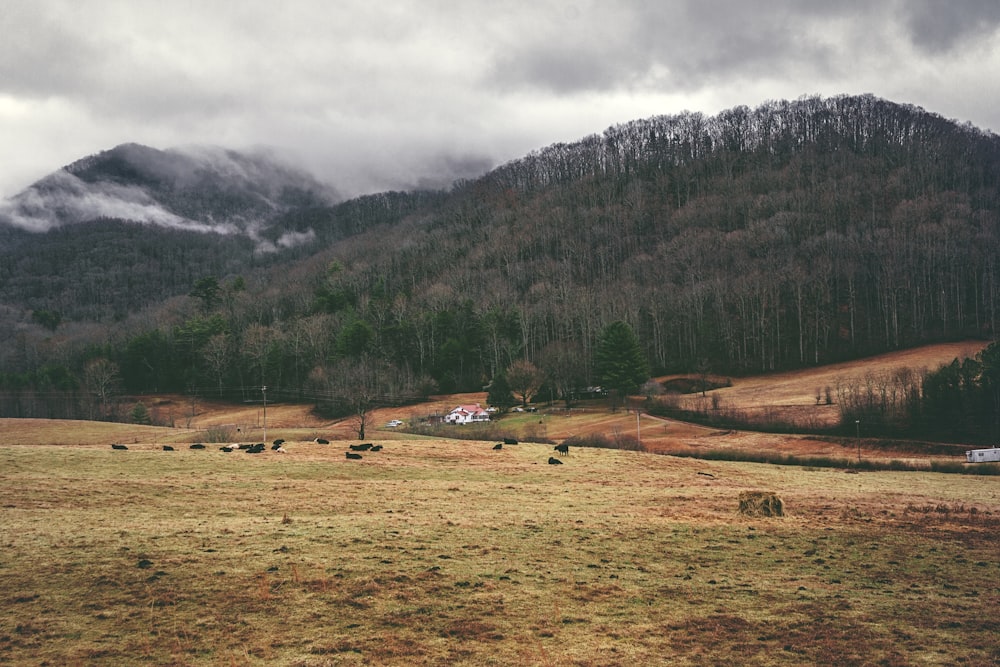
(446, 552)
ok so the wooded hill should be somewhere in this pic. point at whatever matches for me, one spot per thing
(792, 234)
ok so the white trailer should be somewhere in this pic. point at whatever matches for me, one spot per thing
(983, 455)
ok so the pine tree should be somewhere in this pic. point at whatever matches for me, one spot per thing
(140, 414)
(619, 362)
(499, 394)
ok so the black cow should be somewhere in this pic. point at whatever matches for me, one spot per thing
(562, 449)
(554, 461)
(276, 446)
(168, 448)
(255, 449)
(279, 442)
(498, 446)
(226, 448)
(361, 448)
(376, 448)
(353, 455)
(322, 441)
(197, 445)
(118, 447)
(510, 441)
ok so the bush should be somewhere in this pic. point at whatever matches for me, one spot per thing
(625, 442)
(220, 433)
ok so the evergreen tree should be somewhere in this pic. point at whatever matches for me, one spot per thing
(499, 394)
(619, 363)
(140, 414)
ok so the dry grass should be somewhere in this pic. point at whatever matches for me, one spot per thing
(442, 552)
(792, 395)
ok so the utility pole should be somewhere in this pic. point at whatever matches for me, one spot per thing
(263, 390)
(857, 427)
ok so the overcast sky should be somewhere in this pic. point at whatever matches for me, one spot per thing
(377, 94)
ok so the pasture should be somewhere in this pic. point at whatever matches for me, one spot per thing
(440, 551)
(447, 552)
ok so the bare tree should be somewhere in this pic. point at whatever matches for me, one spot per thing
(564, 364)
(216, 355)
(357, 386)
(101, 378)
(525, 380)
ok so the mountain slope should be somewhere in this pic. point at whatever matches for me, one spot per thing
(791, 235)
(117, 231)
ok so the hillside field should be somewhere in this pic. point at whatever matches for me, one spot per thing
(441, 551)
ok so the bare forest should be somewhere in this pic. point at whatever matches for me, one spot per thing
(786, 236)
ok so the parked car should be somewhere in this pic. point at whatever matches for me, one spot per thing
(394, 423)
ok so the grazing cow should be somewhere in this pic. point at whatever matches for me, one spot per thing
(279, 442)
(554, 461)
(353, 455)
(118, 447)
(498, 446)
(168, 448)
(255, 449)
(197, 445)
(562, 449)
(226, 448)
(276, 446)
(510, 441)
(322, 441)
(376, 448)
(361, 448)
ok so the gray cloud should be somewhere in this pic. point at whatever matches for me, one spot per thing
(397, 94)
(937, 27)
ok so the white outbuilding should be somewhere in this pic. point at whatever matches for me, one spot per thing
(992, 454)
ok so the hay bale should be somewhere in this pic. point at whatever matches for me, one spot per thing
(761, 503)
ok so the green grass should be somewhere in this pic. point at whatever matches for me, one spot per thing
(439, 552)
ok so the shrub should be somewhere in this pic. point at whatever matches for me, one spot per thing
(220, 433)
(601, 441)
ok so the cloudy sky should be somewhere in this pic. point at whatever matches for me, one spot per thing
(378, 94)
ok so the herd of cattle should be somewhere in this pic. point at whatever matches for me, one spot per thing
(354, 452)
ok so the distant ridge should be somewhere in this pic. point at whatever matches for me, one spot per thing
(198, 188)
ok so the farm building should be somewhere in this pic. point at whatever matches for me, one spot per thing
(982, 455)
(467, 414)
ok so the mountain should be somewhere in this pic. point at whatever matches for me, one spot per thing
(792, 234)
(201, 189)
(116, 231)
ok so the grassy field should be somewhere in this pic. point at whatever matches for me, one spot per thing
(444, 552)
(439, 551)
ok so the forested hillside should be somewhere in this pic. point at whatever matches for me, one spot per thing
(792, 234)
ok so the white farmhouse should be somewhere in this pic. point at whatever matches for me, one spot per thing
(467, 414)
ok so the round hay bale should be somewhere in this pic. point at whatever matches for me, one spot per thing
(761, 503)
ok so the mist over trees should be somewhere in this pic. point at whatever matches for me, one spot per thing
(793, 234)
